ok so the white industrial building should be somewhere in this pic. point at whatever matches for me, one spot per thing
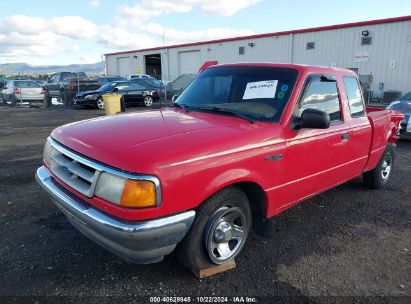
(379, 51)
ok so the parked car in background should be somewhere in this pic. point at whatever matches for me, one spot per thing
(143, 76)
(133, 93)
(243, 143)
(65, 86)
(403, 106)
(106, 79)
(166, 92)
(23, 91)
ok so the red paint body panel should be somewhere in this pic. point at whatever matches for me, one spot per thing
(196, 154)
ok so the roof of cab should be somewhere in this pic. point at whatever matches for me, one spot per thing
(299, 67)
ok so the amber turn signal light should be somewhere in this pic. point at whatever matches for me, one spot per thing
(138, 194)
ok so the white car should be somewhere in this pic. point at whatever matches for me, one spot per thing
(23, 91)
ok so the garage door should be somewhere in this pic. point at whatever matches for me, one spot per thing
(123, 64)
(190, 62)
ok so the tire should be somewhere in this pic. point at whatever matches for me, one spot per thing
(100, 103)
(201, 246)
(13, 101)
(65, 98)
(148, 101)
(48, 101)
(381, 174)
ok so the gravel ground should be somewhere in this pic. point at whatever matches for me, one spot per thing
(346, 242)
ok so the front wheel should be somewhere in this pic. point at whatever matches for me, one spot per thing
(381, 174)
(148, 101)
(219, 230)
(100, 103)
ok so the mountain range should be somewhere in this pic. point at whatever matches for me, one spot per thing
(24, 68)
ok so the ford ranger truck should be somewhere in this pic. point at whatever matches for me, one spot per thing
(241, 144)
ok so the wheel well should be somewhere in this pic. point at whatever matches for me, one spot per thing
(257, 198)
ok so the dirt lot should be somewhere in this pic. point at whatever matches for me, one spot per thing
(349, 241)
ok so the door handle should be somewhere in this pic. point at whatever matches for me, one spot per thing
(345, 136)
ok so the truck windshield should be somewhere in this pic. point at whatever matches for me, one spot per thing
(258, 92)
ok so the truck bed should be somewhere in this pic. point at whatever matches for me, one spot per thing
(384, 130)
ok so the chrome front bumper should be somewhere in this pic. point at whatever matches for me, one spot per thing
(140, 242)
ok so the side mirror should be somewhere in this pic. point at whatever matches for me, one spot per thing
(314, 119)
(49, 80)
(115, 90)
(174, 98)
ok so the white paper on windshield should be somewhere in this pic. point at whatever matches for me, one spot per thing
(260, 89)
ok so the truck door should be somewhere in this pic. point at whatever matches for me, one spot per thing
(360, 134)
(316, 158)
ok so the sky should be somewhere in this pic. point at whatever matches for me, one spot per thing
(49, 32)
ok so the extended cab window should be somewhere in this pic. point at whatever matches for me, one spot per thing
(354, 97)
(321, 93)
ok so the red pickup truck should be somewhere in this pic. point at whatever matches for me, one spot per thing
(241, 144)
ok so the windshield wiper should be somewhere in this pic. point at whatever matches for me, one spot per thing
(225, 110)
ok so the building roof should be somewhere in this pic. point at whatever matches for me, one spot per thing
(308, 30)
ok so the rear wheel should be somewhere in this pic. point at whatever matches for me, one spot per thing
(148, 101)
(219, 230)
(381, 174)
(65, 98)
(48, 101)
(13, 101)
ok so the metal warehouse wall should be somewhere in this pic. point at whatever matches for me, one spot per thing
(391, 44)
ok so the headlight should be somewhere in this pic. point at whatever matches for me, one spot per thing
(126, 192)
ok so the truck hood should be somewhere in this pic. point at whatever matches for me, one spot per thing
(142, 142)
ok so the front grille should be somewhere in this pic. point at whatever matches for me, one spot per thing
(74, 173)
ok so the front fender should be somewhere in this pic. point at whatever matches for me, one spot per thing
(231, 177)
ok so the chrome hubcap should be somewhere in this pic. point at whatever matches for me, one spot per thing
(386, 167)
(148, 101)
(226, 232)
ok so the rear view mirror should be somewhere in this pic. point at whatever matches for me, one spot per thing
(314, 119)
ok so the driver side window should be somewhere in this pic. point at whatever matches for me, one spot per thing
(321, 93)
(123, 86)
